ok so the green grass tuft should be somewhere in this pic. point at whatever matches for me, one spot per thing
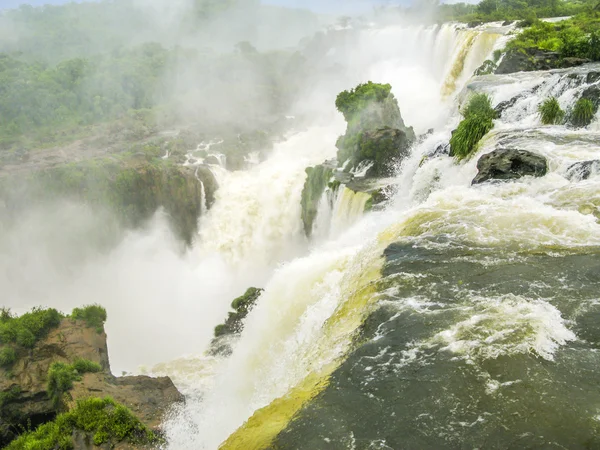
(551, 112)
(478, 121)
(94, 315)
(8, 356)
(583, 113)
(61, 377)
(106, 420)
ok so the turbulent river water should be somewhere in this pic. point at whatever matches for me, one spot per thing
(457, 317)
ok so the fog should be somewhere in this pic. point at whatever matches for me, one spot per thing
(211, 67)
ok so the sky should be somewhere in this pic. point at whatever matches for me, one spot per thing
(338, 6)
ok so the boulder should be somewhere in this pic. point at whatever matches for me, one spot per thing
(510, 164)
(592, 77)
(212, 160)
(583, 170)
(592, 94)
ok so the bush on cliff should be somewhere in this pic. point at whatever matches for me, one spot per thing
(93, 315)
(104, 419)
(27, 329)
(478, 121)
(353, 102)
(550, 112)
(61, 377)
(8, 356)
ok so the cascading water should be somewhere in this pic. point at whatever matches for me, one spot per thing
(308, 320)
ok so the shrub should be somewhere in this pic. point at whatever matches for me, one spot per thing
(470, 131)
(478, 121)
(551, 112)
(583, 113)
(27, 329)
(352, 102)
(106, 420)
(94, 315)
(10, 395)
(479, 105)
(488, 67)
(61, 377)
(8, 356)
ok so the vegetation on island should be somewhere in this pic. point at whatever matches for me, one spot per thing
(106, 421)
(583, 113)
(478, 121)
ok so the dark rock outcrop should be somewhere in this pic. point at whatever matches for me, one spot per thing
(592, 94)
(532, 59)
(317, 181)
(235, 321)
(510, 164)
(23, 387)
(383, 149)
(583, 170)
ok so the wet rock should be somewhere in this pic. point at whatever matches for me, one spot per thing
(210, 184)
(317, 181)
(235, 321)
(510, 164)
(592, 77)
(213, 160)
(583, 170)
(532, 59)
(384, 148)
(507, 23)
(503, 106)
(592, 94)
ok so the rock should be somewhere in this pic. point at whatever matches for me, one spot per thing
(510, 164)
(592, 77)
(384, 148)
(148, 398)
(209, 181)
(583, 170)
(507, 23)
(474, 24)
(235, 321)
(503, 106)
(212, 160)
(317, 180)
(532, 59)
(592, 94)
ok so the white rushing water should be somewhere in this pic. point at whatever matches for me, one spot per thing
(291, 332)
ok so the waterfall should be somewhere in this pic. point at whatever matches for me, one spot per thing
(307, 320)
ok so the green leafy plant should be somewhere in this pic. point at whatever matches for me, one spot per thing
(10, 395)
(583, 113)
(478, 121)
(353, 102)
(93, 315)
(550, 112)
(8, 356)
(27, 329)
(61, 377)
(103, 418)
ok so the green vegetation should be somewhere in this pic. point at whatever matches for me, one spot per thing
(523, 10)
(241, 306)
(583, 113)
(104, 419)
(8, 356)
(478, 121)
(61, 377)
(353, 103)
(10, 395)
(69, 71)
(551, 112)
(93, 315)
(488, 67)
(27, 329)
(577, 37)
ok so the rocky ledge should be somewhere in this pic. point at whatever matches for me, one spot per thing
(64, 369)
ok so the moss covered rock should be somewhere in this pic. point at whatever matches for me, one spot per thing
(133, 188)
(235, 320)
(368, 109)
(317, 180)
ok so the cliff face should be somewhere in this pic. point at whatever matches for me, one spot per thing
(24, 396)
